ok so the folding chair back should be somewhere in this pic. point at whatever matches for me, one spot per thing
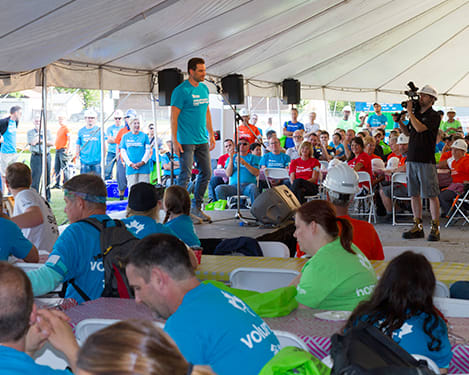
(276, 174)
(441, 290)
(365, 203)
(432, 254)
(261, 279)
(459, 206)
(274, 249)
(289, 339)
(452, 307)
(398, 178)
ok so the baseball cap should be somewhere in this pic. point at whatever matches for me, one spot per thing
(460, 144)
(347, 108)
(244, 139)
(90, 113)
(118, 113)
(403, 139)
(427, 89)
(243, 112)
(450, 109)
(142, 197)
(131, 113)
(362, 114)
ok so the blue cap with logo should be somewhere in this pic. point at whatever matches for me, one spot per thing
(131, 113)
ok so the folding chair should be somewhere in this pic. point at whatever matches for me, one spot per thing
(261, 279)
(366, 202)
(452, 307)
(458, 207)
(398, 178)
(289, 339)
(432, 254)
(275, 174)
(274, 249)
(441, 290)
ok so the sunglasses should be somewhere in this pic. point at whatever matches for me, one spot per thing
(244, 144)
(117, 118)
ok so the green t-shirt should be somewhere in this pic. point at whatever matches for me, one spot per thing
(386, 149)
(450, 127)
(334, 279)
(349, 124)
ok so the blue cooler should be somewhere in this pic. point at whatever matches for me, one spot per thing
(116, 206)
(113, 190)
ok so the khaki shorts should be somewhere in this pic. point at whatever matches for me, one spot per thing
(422, 180)
(5, 161)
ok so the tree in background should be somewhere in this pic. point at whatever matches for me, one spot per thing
(89, 98)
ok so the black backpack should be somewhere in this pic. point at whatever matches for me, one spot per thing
(116, 243)
(365, 350)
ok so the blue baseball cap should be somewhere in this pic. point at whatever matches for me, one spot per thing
(131, 113)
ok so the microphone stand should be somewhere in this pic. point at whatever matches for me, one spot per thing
(237, 118)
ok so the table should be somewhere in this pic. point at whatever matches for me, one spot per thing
(216, 267)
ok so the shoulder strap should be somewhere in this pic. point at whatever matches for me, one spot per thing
(79, 290)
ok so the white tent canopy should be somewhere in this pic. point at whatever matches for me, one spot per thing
(349, 49)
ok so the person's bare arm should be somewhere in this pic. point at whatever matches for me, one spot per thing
(175, 111)
(358, 167)
(253, 170)
(211, 136)
(230, 166)
(32, 217)
(314, 178)
(33, 256)
(292, 177)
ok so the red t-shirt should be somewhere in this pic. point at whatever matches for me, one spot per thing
(304, 168)
(460, 170)
(222, 160)
(364, 237)
(365, 159)
(243, 132)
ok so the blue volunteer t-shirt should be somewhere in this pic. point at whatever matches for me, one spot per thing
(245, 176)
(9, 139)
(14, 362)
(339, 150)
(271, 160)
(13, 241)
(184, 229)
(213, 327)
(73, 258)
(291, 127)
(135, 145)
(374, 120)
(192, 120)
(164, 159)
(142, 226)
(89, 141)
(111, 132)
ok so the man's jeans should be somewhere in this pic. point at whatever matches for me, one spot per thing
(201, 154)
(61, 164)
(91, 168)
(110, 161)
(36, 172)
(225, 191)
(214, 182)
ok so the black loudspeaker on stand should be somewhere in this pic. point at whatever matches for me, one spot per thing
(291, 89)
(233, 88)
(168, 80)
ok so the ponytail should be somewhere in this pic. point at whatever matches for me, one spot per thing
(346, 235)
(166, 217)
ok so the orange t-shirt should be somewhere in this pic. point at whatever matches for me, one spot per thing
(119, 136)
(445, 155)
(243, 132)
(63, 138)
(364, 237)
(460, 170)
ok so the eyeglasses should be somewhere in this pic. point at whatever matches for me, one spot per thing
(297, 136)
(90, 117)
(244, 144)
(117, 118)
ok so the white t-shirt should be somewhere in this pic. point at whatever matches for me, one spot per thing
(43, 236)
(311, 127)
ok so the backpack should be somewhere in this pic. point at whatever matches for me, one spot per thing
(116, 243)
(365, 350)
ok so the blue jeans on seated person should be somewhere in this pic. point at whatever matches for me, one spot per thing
(225, 191)
(91, 168)
(214, 182)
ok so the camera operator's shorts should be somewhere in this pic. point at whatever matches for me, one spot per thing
(422, 180)
(5, 161)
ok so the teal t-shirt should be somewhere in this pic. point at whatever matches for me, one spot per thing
(13, 242)
(334, 279)
(192, 120)
(111, 132)
(184, 229)
(213, 327)
(142, 226)
(245, 176)
(374, 120)
(90, 142)
(271, 160)
(9, 139)
(135, 145)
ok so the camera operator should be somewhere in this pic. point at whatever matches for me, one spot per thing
(422, 178)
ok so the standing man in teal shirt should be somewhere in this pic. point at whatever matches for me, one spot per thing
(192, 132)
(8, 127)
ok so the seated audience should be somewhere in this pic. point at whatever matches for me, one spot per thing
(139, 347)
(304, 173)
(274, 159)
(361, 162)
(338, 146)
(249, 171)
(324, 151)
(165, 161)
(24, 329)
(447, 151)
(215, 180)
(347, 142)
(402, 307)
(370, 145)
(459, 165)
(13, 241)
(31, 213)
(177, 204)
(338, 276)
(255, 149)
(74, 254)
(394, 148)
(297, 137)
(210, 326)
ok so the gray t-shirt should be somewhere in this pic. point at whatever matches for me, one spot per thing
(32, 136)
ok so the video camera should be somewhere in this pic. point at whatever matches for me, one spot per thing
(412, 95)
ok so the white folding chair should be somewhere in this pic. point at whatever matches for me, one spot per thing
(441, 290)
(431, 364)
(275, 174)
(458, 208)
(432, 254)
(289, 339)
(49, 356)
(366, 202)
(261, 279)
(452, 307)
(324, 165)
(274, 249)
(398, 178)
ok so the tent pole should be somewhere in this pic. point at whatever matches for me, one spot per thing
(103, 145)
(325, 104)
(279, 115)
(45, 171)
(157, 154)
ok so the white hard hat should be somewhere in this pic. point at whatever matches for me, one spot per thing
(427, 89)
(377, 164)
(90, 113)
(342, 179)
(393, 163)
(450, 109)
(243, 112)
(460, 144)
(333, 163)
(118, 113)
(347, 108)
(362, 114)
(402, 140)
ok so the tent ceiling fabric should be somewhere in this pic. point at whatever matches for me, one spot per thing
(338, 49)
